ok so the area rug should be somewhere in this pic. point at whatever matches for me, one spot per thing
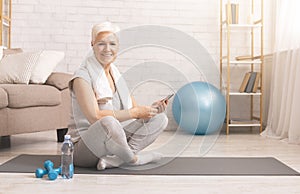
(185, 166)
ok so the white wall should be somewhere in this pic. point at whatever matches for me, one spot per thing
(65, 25)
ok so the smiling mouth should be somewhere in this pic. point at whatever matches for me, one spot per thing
(107, 55)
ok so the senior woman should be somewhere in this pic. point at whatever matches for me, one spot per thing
(108, 127)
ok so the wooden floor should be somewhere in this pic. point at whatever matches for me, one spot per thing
(238, 143)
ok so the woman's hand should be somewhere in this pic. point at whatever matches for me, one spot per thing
(143, 112)
(160, 105)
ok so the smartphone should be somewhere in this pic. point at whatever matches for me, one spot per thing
(168, 97)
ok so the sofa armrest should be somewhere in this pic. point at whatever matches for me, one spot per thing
(59, 80)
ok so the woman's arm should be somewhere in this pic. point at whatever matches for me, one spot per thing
(87, 101)
(89, 106)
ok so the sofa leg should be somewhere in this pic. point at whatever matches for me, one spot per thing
(4, 142)
(61, 133)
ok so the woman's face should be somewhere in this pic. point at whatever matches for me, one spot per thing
(106, 46)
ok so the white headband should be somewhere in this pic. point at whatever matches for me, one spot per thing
(104, 27)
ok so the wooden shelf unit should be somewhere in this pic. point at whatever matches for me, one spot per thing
(227, 60)
(5, 23)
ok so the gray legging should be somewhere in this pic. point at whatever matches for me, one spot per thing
(108, 137)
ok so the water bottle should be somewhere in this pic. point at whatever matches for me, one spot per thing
(67, 167)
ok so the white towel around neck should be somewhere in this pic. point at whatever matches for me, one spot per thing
(101, 84)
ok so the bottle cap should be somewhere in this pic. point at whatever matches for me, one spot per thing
(67, 137)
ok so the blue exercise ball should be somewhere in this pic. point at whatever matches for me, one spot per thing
(199, 108)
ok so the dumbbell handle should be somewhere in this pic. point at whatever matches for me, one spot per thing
(58, 170)
(48, 164)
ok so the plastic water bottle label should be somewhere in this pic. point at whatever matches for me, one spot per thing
(71, 170)
(67, 169)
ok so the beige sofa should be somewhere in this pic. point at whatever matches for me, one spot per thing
(34, 107)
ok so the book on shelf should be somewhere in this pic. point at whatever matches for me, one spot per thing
(245, 82)
(256, 83)
(232, 12)
(235, 13)
(242, 121)
(251, 82)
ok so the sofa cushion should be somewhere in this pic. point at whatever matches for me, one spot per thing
(59, 80)
(21, 96)
(45, 65)
(3, 98)
(16, 68)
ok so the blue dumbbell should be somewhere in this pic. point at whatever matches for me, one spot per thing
(52, 173)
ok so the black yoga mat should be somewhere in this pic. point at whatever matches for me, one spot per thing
(190, 166)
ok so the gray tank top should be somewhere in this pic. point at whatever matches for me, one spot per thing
(78, 122)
